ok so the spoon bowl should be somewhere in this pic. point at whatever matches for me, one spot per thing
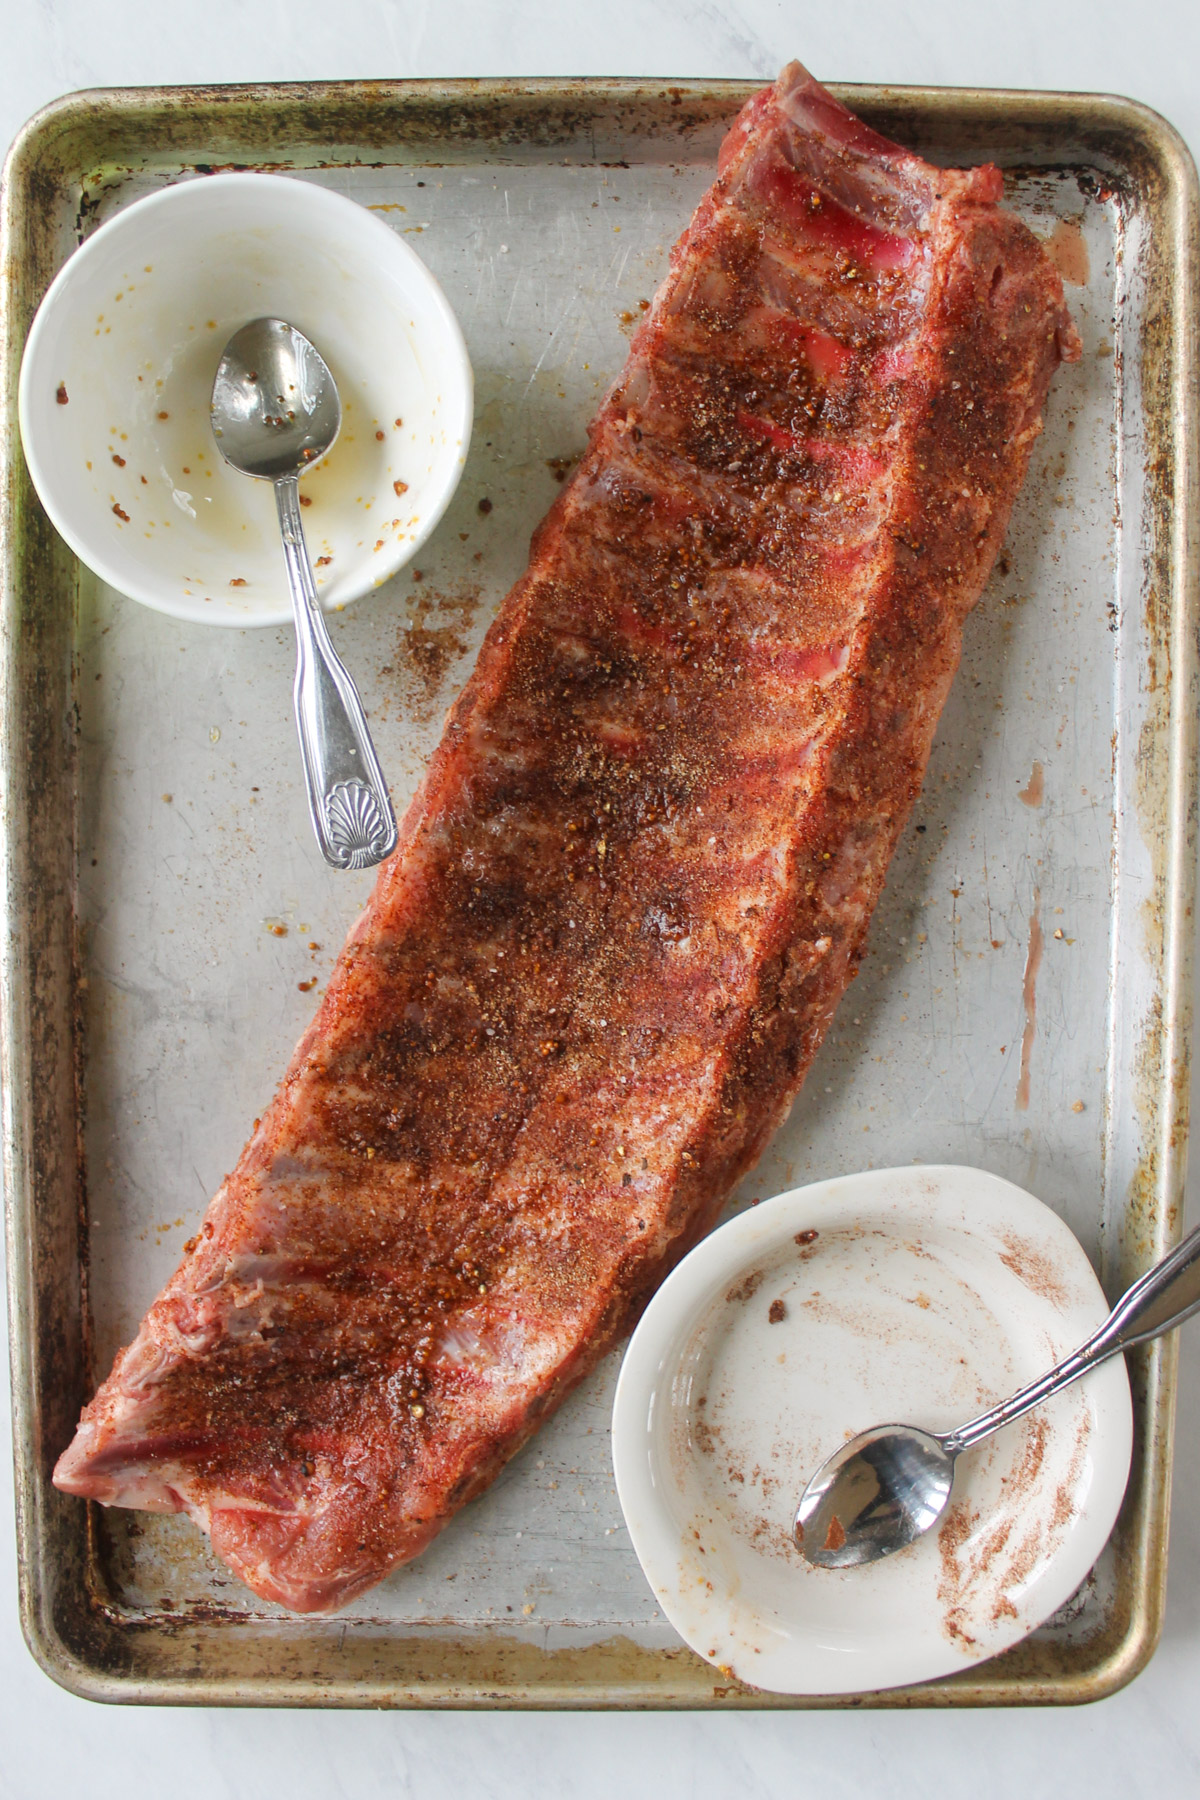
(875, 1495)
(275, 405)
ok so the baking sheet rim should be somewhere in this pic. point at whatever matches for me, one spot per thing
(57, 129)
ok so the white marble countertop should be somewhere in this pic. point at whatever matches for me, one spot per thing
(1143, 1741)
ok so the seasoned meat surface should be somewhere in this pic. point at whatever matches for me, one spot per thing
(635, 880)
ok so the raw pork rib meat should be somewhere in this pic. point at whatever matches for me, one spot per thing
(635, 881)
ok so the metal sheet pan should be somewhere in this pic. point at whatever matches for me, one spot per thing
(148, 1006)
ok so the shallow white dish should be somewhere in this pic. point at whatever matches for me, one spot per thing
(917, 1295)
(130, 332)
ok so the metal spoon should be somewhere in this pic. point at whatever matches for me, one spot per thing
(275, 412)
(887, 1486)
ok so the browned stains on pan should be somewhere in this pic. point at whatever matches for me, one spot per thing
(1033, 962)
(1068, 252)
(1035, 792)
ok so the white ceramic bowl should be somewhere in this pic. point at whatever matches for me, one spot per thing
(919, 1295)
(119, 366)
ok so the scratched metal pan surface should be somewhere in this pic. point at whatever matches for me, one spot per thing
(1024, 1003)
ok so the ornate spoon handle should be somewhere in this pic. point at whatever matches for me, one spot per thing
(347, 795)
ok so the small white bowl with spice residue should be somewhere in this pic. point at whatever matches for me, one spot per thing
(921, 1294)
(118, 372)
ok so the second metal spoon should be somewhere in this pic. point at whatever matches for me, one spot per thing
(886, 1487)
(275, 411)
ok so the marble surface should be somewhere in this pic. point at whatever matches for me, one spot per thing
(1145, 1740)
